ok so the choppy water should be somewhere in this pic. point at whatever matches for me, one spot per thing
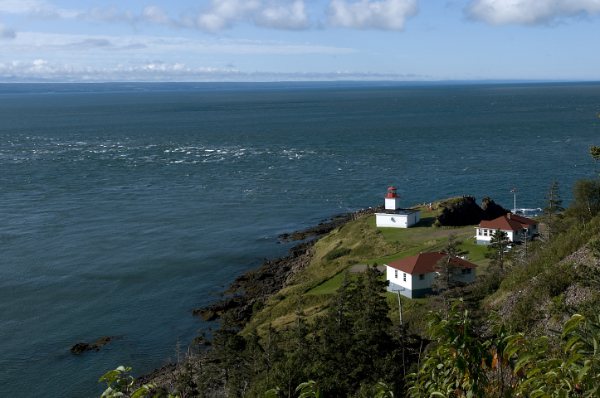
(123, 211)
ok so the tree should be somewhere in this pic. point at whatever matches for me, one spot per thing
(595, 151)
(553, 207)
(586, 199)
(496, 246)
(446, 266)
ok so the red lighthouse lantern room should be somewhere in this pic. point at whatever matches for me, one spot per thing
(392, 192)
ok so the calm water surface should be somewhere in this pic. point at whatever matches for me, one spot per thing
(122, 212)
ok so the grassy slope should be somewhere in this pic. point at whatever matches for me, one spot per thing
(420, 238)
(368, 244)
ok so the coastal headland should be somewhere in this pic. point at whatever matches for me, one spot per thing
(306, 279)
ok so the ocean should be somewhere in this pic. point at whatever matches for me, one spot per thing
(124, 207)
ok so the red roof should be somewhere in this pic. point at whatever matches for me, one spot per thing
(423, 263)
(391, 188)
(508, 222)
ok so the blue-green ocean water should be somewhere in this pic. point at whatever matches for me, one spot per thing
(122, 211)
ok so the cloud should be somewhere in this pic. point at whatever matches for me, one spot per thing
(156, 71)
(220, 14)
(157, 15)
(107, 14)
(36, 8)
(6, 32)
(528, 12)
(290, 16)
(32, 43)
(286, 15)
(366, 14)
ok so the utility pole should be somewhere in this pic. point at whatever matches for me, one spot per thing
(402, 331)
(525, 231)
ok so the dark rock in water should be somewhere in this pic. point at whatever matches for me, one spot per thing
(80, 348)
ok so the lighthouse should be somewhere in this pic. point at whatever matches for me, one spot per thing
(392, 201)
(395, 216)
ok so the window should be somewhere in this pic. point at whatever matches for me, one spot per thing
(463, 271)
(479, 231)
(396, 271)
(404, 276)
(485, 232)
(422, 277)
(468, 270)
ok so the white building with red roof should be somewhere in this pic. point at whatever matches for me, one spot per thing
(516, 227)
(414, 275)
(394, 216)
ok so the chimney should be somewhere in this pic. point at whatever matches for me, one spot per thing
(508, 216)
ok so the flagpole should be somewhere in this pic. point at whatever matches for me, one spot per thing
(514, 191)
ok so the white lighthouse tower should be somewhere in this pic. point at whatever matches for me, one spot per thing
(392, 201)
(394, 216)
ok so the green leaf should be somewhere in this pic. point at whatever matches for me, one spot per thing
(582, 373)
(571, 324)
(571, 360)
(570, 342)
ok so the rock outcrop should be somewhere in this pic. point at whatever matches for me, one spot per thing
(464, 210)
(80, 348)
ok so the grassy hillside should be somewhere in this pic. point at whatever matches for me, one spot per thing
(358, 242)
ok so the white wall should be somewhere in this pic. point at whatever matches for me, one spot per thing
(392, 203)
(390, 275)
(414, 283)
(392, 220)
(423, 284)
(397, 220)
(485, 240)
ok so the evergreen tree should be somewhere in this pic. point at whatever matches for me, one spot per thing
(554, 206)
(586, 200)
(595, 151)
(496, 247)
(447, 265)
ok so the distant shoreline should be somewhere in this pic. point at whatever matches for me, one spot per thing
(131, 87)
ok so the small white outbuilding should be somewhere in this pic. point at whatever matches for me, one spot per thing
(414, 276)
(394, 216)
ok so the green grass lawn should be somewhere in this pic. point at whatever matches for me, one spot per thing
(423, 237)
(331, 285)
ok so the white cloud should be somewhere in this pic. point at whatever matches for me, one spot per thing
(157, 71)
(528, 12)
(36, 8)
(157, 15)
(221, 14)
(366, 14)
(288, 15)
(34, 43)
(6, 32)
(107, 14)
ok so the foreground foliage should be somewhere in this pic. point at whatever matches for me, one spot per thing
(507, 365)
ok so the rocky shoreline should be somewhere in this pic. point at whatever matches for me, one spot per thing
(257, 286)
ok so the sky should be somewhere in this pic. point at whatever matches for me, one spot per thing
(298, 40)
